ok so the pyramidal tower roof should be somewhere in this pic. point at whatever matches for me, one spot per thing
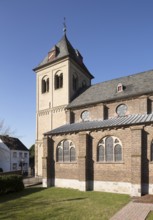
(60, 51)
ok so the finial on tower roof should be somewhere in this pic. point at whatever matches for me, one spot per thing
(64, 24)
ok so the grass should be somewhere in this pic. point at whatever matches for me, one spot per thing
(150, 216)
(60, 204)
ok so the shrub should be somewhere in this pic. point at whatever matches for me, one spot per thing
(1, 170)
(11, 183)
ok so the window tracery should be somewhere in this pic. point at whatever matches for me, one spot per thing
(66, 151)
(109, 149)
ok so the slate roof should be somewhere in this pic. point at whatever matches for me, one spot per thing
(64, 49)
(134, 85)
(13, 143)
(137, 119)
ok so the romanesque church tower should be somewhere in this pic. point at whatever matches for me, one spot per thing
(60, 77)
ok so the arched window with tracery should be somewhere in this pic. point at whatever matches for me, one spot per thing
(66, 151)
(109, 149)
(58, 80)
(45, 84)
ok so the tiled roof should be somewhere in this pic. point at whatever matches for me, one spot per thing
(13, 143)
(129, 120)
(64, 49)
(133, 85)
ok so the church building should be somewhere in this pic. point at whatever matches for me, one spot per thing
(92, 137)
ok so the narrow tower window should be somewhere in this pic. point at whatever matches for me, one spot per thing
(75, 82)
(58, 80)
(45, 84)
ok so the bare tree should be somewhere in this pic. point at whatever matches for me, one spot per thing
(5, 130)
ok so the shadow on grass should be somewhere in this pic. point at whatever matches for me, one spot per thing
(15, 195)
(68, 200)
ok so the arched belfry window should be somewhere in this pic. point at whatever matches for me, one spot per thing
(75, 82)
(45, 84)
(109, 149)
(66, 151)
(58, 80)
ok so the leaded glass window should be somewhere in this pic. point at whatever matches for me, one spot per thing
(72, 154)
(118, 152)
(109, 149)
(101, 153)
(60, 154)
(66, 151)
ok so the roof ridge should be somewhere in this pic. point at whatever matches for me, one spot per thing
(123, 77)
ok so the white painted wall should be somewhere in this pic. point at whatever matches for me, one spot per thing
(7, 158)
(4, 157)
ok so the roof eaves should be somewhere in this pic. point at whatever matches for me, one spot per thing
(125, 121)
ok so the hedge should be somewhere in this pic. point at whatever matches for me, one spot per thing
(11, 183)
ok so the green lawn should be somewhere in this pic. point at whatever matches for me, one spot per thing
(60, 204)
(150, 216)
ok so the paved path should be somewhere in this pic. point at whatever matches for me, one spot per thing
(133, 211)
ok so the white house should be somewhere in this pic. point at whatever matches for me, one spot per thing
(13, 154)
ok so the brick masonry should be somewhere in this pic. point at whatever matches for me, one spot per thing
(130, 176)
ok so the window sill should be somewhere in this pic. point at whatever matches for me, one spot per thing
(43, 93)
(110, 162)
(67, 162)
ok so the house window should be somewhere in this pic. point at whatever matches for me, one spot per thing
(75, 82)
(25, 155)
(66, 151)
(109, 150)
(151, 151)
(14, 166)
(14, 154)
(20, 154)
(45, 84)
(58, 80)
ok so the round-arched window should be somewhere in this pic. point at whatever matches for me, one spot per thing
(66, 151)
(109, 149)
(85, 116)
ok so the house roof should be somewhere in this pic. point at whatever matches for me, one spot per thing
(133, 85)
(128, 120)
(13, 143)
(64, 49)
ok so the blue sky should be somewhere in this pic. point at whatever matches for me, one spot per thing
(115, 38)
